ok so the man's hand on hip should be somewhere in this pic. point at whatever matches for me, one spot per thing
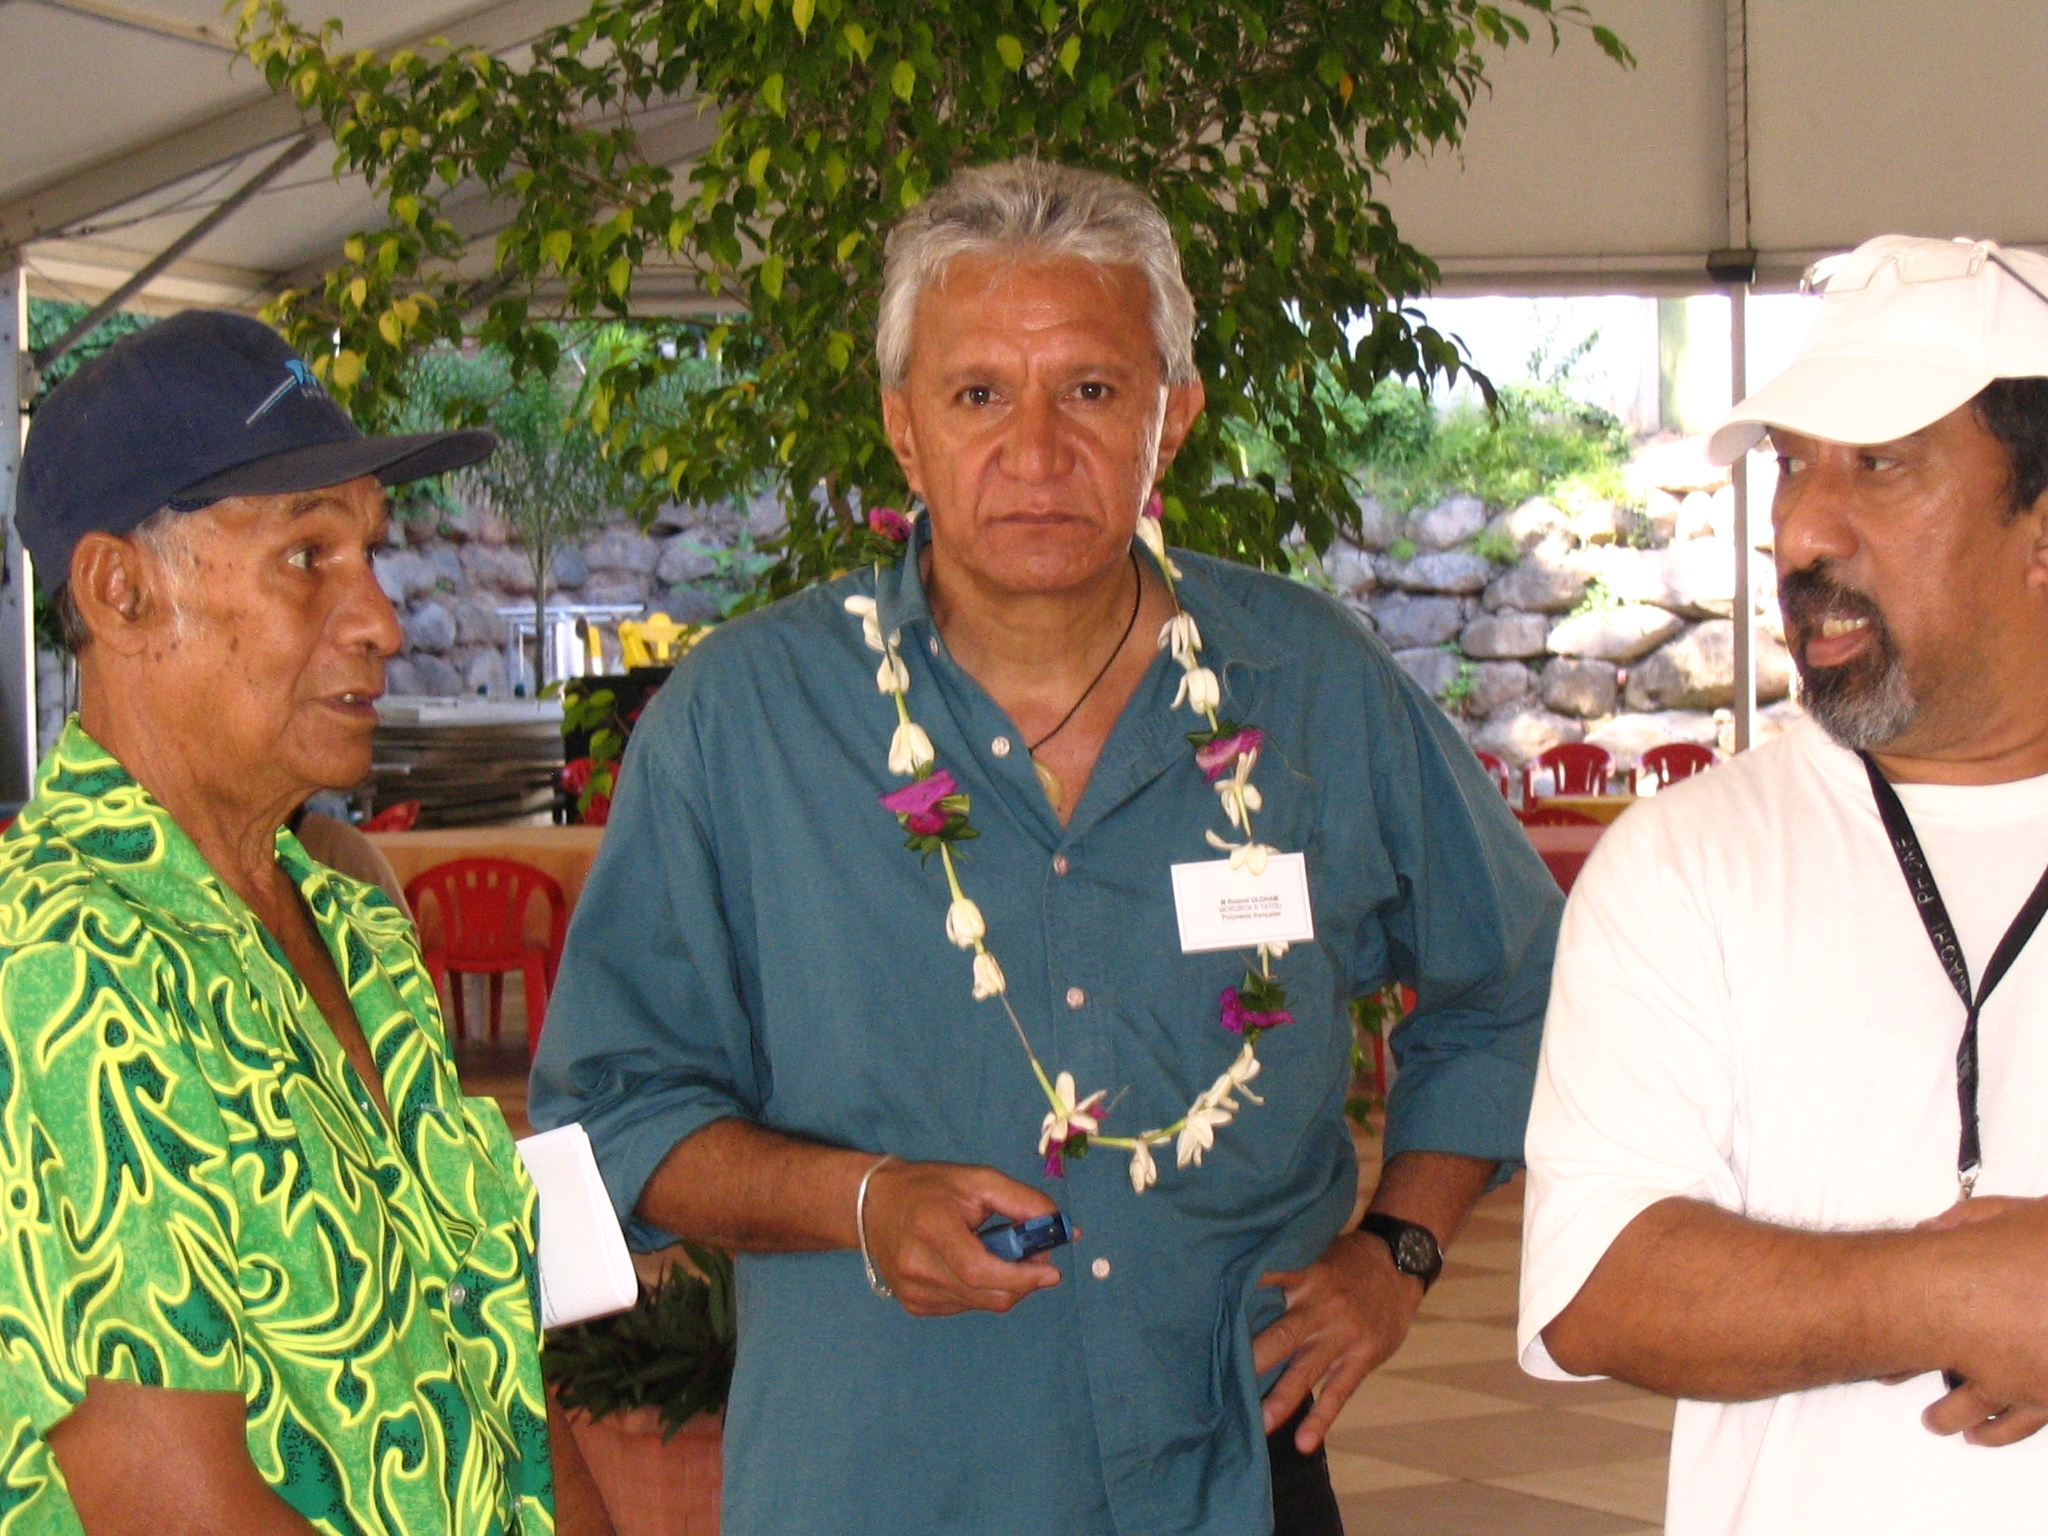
(921, 1220)
(1346, 1315)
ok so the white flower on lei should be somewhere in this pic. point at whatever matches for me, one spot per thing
(863, 608)
(1222, 1093)
(1199, 690)
(1245, 855)
(1155, 540)
(1069, 1117)
(1198, 1135)
(892, 676)
(964, 925)
(1180, 636)
(909, 749)
(1144, 1172)
(988, 977)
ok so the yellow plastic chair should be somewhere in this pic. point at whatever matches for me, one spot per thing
(656, 641)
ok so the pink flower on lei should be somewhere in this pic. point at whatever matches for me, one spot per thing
(918, 803)
(1220, 757)
(889, 523)
(1237, 1018)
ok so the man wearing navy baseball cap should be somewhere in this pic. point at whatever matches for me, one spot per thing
(266, 1268)
(1788, 1152)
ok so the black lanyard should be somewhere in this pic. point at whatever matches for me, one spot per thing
(1949, 950)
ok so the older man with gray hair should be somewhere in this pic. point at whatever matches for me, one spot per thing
(1116, 897)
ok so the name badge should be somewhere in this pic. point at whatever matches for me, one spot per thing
(1224, 908)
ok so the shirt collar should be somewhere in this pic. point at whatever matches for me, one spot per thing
(86, 799)
(900, 601)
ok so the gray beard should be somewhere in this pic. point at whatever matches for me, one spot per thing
(1862, 710)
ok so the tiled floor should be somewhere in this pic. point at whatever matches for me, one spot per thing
(1449, 1437)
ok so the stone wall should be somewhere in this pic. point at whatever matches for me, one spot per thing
(1532, 625)
(1544, 624)
(447, 580)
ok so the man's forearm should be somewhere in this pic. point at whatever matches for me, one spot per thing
(1695, 1301)
(749, 1190)
(1433, 1189)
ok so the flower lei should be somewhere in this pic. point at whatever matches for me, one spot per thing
(934, 813)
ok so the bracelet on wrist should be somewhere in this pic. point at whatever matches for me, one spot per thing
(860, 1226)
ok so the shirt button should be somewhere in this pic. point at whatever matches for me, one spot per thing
(1059, 863)
(1099, 1269)
(1000, 746)
(932, 645)
(1076, 997)
(458, 1293)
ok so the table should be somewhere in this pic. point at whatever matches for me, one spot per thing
(1564, 850)
(1602, 808)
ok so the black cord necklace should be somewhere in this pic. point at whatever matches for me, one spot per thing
(1137, 601)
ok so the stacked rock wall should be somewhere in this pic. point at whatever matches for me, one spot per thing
(1531, 626)
(447, 580)
(1539, 625)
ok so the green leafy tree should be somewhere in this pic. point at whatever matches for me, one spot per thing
(1260, 126)
(550, 479)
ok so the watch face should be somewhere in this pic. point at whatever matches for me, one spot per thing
(1414, 1252)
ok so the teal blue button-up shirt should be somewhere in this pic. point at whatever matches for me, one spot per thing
(755, 941)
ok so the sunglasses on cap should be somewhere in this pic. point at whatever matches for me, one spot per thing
(1919, 262)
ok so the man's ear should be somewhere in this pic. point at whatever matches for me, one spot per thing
(1184, 403)
(903, 438)
(111, 592)
(2036, 519)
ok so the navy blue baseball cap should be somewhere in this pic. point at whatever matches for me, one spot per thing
(194, 409)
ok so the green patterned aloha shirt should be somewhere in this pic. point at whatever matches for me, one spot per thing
(197, 1192)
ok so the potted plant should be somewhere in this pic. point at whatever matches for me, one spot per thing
(645, 1395)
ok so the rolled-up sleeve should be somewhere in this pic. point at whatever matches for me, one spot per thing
(648, 1038)
(1473, 932)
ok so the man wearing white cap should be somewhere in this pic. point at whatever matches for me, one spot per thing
(1796, 1022)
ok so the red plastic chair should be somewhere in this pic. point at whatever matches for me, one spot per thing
(1556, 816)
(1578, 767)
(1497, 771)
(1675, 760)
(482, 906)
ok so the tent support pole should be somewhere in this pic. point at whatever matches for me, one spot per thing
(1738, 478)
(17, 602)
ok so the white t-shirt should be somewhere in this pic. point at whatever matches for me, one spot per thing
(1747, 1011)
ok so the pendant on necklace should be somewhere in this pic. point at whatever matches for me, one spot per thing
(1049, 781)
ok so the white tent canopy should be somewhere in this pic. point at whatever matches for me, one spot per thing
(1790, 127)
(1786, 127)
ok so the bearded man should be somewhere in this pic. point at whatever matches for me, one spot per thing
(266, 1269)
(1797, 1018)
(790, 1033)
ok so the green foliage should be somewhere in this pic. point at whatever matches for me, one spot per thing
(1261, 126)
(1497, 545)
(673, 1351)
(1373, 1017)
(550, 479)
(1537, 441)
(1597, 597)
(1459, 688)
(49, 319)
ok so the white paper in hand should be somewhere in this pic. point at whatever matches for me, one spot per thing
(585, 1271)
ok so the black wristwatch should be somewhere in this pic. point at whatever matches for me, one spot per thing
(1415, 1248)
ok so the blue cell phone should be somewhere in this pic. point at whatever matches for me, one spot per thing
(1017, 1241)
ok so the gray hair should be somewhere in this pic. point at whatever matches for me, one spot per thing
(162, 534)
(1032, 207)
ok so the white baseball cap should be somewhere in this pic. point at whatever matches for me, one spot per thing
(1908, 330)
